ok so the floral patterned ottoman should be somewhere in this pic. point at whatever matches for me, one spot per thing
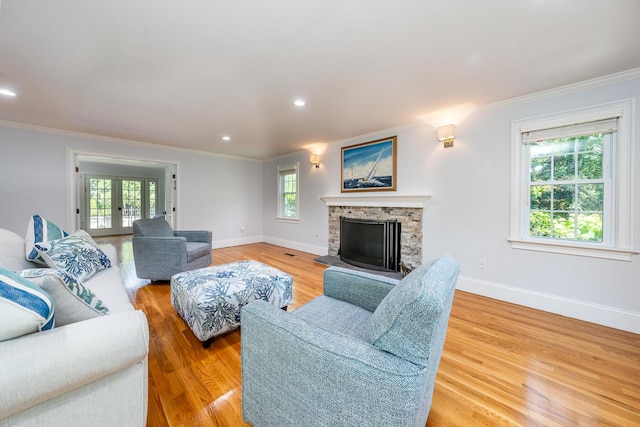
(209, 299)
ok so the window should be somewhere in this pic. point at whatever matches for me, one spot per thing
(288, 192)
(571, 183)
(132, 201)
(152, 189)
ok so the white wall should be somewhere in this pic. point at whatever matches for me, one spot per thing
(469, 212)
(217, 193)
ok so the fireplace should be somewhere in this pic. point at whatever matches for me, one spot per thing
(373, 244)
(407, 209)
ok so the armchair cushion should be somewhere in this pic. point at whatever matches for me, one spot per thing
(336, 315)
(408, 320)
(196, 250)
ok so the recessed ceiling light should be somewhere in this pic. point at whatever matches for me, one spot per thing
(7, 92)
(299, 103)
(226, 138)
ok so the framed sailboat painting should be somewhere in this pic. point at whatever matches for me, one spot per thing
(370, 166)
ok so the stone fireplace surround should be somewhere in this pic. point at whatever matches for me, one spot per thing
(406, 209)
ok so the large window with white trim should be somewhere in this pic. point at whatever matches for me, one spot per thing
(572, 182)
(288, 192)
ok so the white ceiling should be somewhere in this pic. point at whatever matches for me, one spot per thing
(186, 72)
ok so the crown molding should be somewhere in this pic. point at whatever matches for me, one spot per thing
(565, 90)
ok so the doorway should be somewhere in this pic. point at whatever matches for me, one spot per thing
(113, 203)
(110, 192)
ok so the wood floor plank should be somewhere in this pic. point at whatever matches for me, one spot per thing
(502, 364)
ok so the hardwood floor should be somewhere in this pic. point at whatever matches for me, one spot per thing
(502, 365)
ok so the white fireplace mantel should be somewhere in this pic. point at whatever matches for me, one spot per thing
(384, 201)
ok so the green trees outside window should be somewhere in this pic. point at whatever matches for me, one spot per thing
(289, 194)
(566, 188)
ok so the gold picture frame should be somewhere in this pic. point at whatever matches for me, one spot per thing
(369, 166)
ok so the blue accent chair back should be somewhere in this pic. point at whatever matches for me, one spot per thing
(365, 353)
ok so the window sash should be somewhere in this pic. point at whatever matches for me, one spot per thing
(288, 185)
(575, 182)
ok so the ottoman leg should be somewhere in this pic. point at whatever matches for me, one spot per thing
(207, 343)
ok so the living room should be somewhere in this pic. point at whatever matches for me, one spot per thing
(461, 218)
(468, 213)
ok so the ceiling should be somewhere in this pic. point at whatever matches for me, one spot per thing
(184, 73)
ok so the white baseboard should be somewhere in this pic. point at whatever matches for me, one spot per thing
(316, 250)
(595, 313)
(216, 244)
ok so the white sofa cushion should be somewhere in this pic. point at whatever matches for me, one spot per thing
(77, 254)
(108, 285)
(12, 251)
(40, 230)
(24, 307)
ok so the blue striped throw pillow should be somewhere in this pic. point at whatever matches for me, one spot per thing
(40, 230)
(24, 307)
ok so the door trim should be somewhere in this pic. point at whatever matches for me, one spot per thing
(75, 208)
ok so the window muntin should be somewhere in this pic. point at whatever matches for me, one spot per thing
(288, 184)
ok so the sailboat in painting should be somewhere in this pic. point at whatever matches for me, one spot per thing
(369, 178)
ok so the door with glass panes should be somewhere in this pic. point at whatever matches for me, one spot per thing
(112, 204)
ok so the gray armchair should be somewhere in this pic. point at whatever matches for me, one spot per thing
(365, 353)
(159, 252)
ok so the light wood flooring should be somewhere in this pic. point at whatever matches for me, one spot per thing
(502, 365)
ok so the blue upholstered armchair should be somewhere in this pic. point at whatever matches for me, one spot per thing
(365, 353)
(159, 252)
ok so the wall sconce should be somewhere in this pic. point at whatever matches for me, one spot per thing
(314, 159)
(447, 134)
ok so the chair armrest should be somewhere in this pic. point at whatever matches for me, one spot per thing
(194, 235)
(356, 287)
(294, 371)
(41, 366)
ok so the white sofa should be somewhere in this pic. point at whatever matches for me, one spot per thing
(88, 373)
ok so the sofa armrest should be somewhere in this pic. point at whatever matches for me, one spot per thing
(356, 287)
(294, 371)
(44, 365)
(194, 235)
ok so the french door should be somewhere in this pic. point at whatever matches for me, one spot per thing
(112, 204)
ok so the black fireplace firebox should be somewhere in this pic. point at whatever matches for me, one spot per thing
(373, 244)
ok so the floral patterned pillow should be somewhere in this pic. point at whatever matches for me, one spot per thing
(77, 254)
(73, 301)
